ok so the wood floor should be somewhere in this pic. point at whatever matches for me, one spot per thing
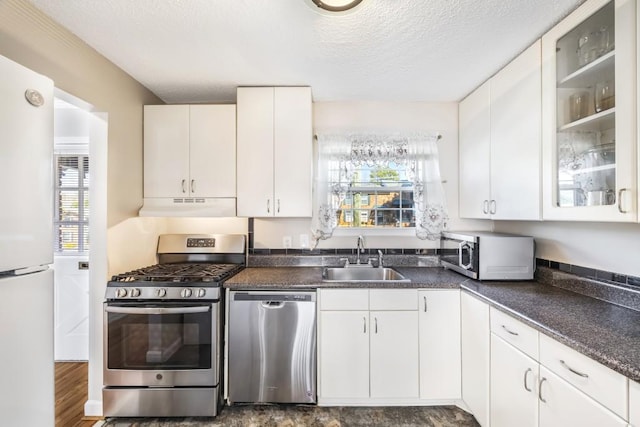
(71, 394)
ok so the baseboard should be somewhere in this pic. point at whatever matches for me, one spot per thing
(93, 408)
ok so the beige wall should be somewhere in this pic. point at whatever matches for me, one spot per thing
(30, 38)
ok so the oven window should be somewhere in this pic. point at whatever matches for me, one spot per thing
(159, 341)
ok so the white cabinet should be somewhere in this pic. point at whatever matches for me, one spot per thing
(634, 403)
(500, 128)
(274, 151)
(189, 151)
(439, 328)
(562, 405)
(368, 355)
(475, 342)
(589, 121)
(514, 401)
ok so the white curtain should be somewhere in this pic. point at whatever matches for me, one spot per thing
(338, 155)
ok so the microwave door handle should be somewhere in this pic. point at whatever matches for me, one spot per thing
(157, 310)
(461, 247)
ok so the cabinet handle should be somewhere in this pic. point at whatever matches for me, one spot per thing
(580, 374)
(193, 185)
(526, 373)
(492, 207)
(268, 205)
(543, 379)
(485, 207)
(278, 205)
(425, 304)
(375, 320)
(622, 190)
(511, 332)
(364, 323)
(184, 190)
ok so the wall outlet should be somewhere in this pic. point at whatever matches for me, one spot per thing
(304, 241)
(286, 242)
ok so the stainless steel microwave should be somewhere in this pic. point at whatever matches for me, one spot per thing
(485, 255)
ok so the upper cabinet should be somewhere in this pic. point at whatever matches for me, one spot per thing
(189, 160)
(274, 151)
(589, 134)
(500, 127)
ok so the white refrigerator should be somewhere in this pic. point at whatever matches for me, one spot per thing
(26, 247)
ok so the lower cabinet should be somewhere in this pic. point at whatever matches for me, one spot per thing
(634, 403)
(380, 346)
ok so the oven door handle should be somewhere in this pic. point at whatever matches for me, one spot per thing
(157, 310)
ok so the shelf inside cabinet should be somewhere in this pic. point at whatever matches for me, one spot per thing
(593, 123)
(593, 169)
(601, 69)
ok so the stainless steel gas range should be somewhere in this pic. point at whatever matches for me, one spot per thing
(163, 329)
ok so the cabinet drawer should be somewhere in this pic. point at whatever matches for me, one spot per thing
(393, 299)
(634, 403)
(344, 299)
(516, 333)
(594, 379)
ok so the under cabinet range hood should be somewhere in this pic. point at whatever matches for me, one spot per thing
(189, 207)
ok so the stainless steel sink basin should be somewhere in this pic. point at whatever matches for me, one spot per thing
(362, 274)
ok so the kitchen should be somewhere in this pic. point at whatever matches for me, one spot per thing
(78, 69)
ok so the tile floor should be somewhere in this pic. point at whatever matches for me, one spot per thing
(313, 416)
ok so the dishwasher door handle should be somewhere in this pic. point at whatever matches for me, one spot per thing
(272, 304)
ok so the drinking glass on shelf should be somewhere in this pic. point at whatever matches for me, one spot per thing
(579, 105)
(605, 96)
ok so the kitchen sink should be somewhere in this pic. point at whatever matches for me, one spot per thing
(365, 274)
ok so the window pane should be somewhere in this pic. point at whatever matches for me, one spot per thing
(68, 237)
(85, 205)
(68, 171)
(85, 238)
(85, 177)
(68, 206)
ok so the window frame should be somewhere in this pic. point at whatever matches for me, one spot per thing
(82, 190)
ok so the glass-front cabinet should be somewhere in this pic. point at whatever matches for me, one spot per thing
(589, 127)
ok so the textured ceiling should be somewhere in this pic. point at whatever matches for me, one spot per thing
(189, 51)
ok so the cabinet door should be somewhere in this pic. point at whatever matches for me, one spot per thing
(475, 356)
(394, 354)
(344, 354)
(292, 151)
(255, 151)
(515, 138)
(589, 149)
(563, 405)
(474, 153)
(439, 327)
(514, 401)
(166, 151)
(212, 150)
(634, 403)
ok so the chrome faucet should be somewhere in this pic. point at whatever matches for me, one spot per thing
(359, 248)
(379, 258)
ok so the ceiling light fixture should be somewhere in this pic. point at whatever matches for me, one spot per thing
(336, 5)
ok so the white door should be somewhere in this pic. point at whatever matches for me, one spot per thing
(26, 355)
(439, 344)
(563, 405)
(255, 151)
(514, 398)
(394, 354)
(166, 151)
(71, 308)
(475, 344)
(344, 354)
(292, 151)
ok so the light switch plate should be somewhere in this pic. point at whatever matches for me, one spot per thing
(286, 242)
(304, 241)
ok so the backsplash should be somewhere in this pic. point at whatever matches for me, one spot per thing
(632, 282)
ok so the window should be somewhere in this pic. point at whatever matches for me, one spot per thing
(71, 199)
(378, 196)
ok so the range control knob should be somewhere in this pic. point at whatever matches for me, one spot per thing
(186, 293)
(202, 292)
(135, 292)
(161, 292)
(121, 293)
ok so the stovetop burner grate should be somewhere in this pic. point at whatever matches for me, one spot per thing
(180, 273)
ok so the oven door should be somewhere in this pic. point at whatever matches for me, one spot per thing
(161, 345)
(460, 252)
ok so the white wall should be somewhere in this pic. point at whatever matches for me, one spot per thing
(604, 246)
(371, 117)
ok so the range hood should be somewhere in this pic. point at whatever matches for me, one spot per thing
(189, 207)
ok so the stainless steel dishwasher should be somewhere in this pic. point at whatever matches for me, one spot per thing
(272, 347)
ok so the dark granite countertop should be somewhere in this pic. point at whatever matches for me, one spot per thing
(311, 278)
(607, 333)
